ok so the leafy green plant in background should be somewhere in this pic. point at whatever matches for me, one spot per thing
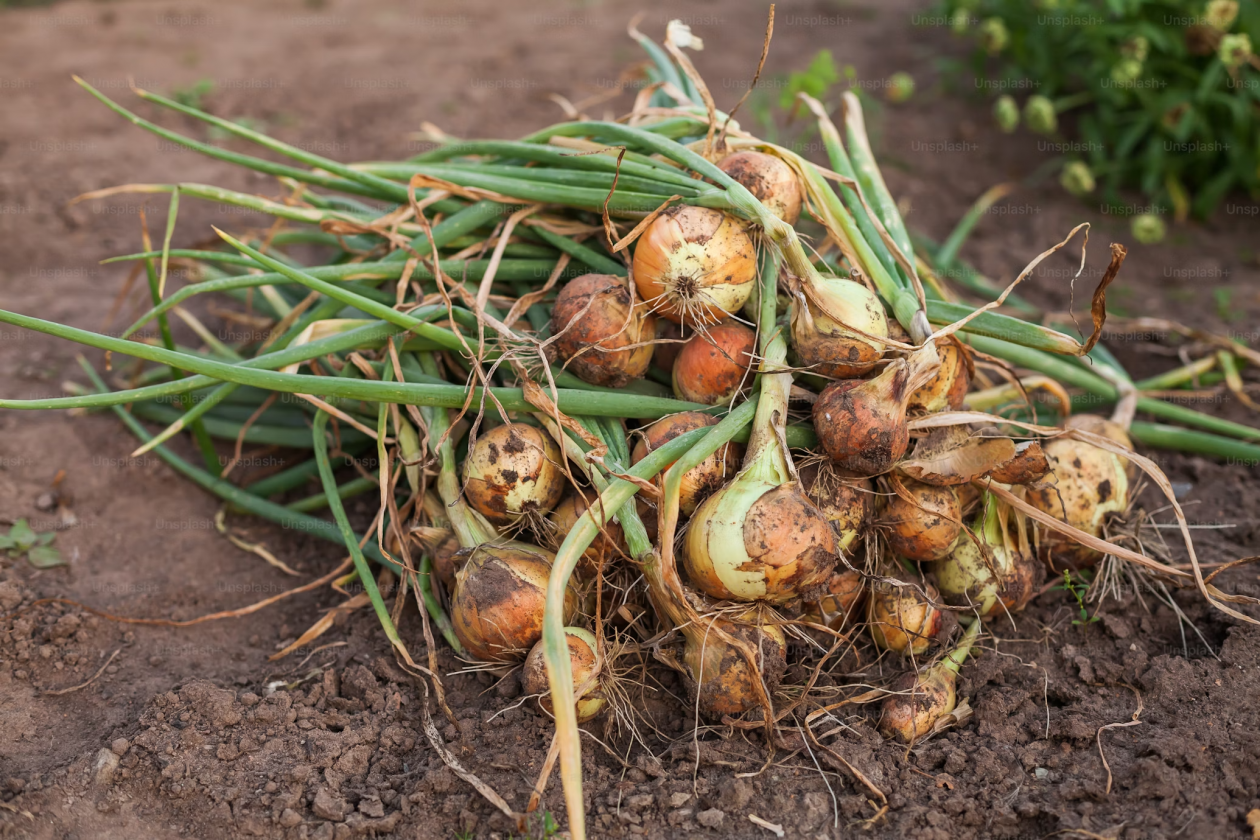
(22, 540)
(1161, 95)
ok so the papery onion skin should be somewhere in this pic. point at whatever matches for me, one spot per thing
(769, 179)
(512, 470)
(721, 679)
(754, 540)
(699, 482)
(901, 619)
(842, 602)
(821, 328)
(845, 502)
(448, 558)
(861, 424)
(713, 364)
(582, 657)
(1084, 486)
(920, 702)
(947, 390)
(925, 530)
(499, 599)
(608, 544)
(598, 336)
(695, 265)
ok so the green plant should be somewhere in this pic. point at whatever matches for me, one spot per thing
(22, 540)
(192, 95)
(1165, 93)
(1078, 588)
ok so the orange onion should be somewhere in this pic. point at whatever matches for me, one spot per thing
(585, 666)
(512, 470)
(599, 335)
(923, 699)
(926, 526)
(608, 543)
(948, 388)
(769, 179)
(721, 679)
(826, 317)
(845, 502)
(713, 364)
(901, 618)
(704, 478)
(695, 265)
(841, 603)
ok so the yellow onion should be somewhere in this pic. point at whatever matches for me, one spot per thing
(861, 423)
(901, 618)
(695, 265)
(582, 656)
(923, 699)
(701, 480)
(448, 558)
(984, 571)
(713, 365)
(499, 598)
(512, 470)
(598, 335)
(755, 539)
(721, 679)
(845, 502)
(608, 543)
(926, 528)
(948, 388)
(823, 328)
(769, 179)
(840, 604)
(1084, 486)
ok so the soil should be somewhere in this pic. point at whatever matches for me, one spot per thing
(195, 732)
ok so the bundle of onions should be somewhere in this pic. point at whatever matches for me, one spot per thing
(862, 423)
(695, 265)
(610, 542)
(845, 502)
(924, 523)
(513, 470)
(902, 616)
(836, 324)
(600, 336)
(722, 680)
(840, 604)
(582, 657)
(700, 481)
(499, 600)
(923, 699)
(1085, 485)
(769, 179)
(986, 569)
(948, 388)
(713, 365)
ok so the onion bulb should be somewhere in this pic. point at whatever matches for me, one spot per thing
(713, 365)
(608, 543)
(599, 336)
(1084, 486)
(925, 528)
(845, 502)
(701, 480)
(924, 698)
(985, 569)
(824, 324)
(695, 265)
(838, 607)
(448, 558)
(948, 388)
(512, 470)
(901, 618)
(721, 679)
(583, 660)
(769, 179)
(499, 598)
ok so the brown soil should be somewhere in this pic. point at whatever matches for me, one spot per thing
(193, 732)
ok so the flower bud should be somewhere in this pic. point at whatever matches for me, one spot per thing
(994, 35)
(1006, 113)
(900, 87)
(1220, 14)
(1040, 115)
(1235, 50)
(1148, 229)
(1077, 178)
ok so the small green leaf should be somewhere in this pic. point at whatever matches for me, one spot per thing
(22, 535)
(45, 557)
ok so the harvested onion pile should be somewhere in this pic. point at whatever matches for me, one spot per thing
(613, 398)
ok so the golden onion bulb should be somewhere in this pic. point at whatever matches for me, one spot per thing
(721, 679)
(598, 335)
(845, 502)
(713, 365)
(926, 528)
(986, 574)
(948, 388)
(902, 619)
(920, 700)
(755, 540)
(585, 666)
(695, 265)
(840, 603)
(823, 329)
(499, 599)
(512, 470)
(701, 480)
(608, 543)
(861, 424)
(769, 179)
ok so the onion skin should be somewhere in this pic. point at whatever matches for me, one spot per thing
(704, 478)
(926, 697)
(448, 558)
(608, 544)
(512, 470)
(947, 390)
(901, 620)
(842, 602)
(1084, 485)
(769, 179)
(754, 540)
(820, 328)
(845, 502)
(713, 365)
(598, 336)
(695, 265)
(499, 599)
(984, 574)
(582, 656)
(721, 680)
(861, 424)
(925, 531)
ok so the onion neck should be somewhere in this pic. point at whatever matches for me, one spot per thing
(766, 459)
(954, 660)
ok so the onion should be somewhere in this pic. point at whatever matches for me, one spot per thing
(821, 327)
(721, 679)
(926, 528)
(769, 179)
(925, 698)
(948, 388)
(598, 334)
(988, 570)
(845, 502)
(610, 541)
(582, 656)
(512, 470)
(713, 365)
(671, 338)
(695, 265)
(840, 605)
(1084, 486)
(499, 598)
(901, 618)
(448, 558)
(700, 481)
